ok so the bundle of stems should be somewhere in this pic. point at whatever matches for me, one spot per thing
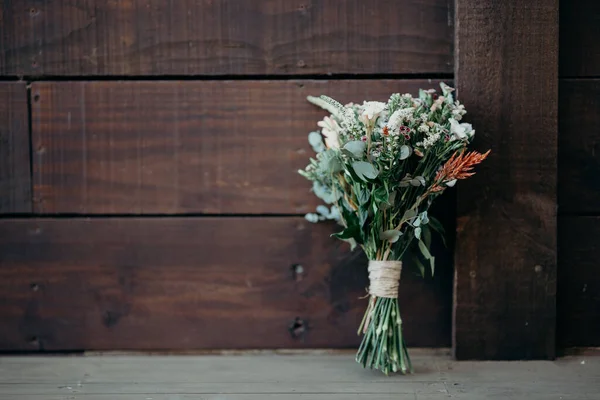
(383, 346)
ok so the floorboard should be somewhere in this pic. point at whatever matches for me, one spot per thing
(272, 375)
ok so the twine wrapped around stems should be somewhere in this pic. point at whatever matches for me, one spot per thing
(384, 277)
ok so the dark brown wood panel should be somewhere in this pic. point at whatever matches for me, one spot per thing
(505, 258)
(579, 147)
(15, 176)
(194, 283)
(181, 147)
(578, 319)
(189, 37)
(579, 34)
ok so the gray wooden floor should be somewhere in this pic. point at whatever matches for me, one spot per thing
(328, 376)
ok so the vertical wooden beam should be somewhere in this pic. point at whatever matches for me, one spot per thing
(15, 179)
(505, 264)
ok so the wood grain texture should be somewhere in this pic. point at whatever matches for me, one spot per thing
(194, 283)
(182, 147)
(323, 376)
(223, 37)
(505, 283)
(578, 308)
(15, 177)
(579, 33)
(579, 147)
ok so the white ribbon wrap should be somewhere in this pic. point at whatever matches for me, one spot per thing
(384, 277)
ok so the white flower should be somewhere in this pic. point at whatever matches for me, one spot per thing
(423, 128)
(397, 118)
(461, 131)
(331, 132)
(372, 109)
(430, 140)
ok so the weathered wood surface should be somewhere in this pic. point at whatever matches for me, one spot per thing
(578, 319)
(194, 283)
(579, 33)
(579, 147)
(505, 258)
(15, 178)
(185, 37)
(182, 147)
(291, 377)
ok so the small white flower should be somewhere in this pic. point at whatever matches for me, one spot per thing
(461, 131)
(372, 109)
(398, 117)
(423, 128)
(331, 131)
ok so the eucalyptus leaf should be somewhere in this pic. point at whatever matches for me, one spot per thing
(391, 236)
(424, 217)
(316, 142)
(356, 147)
(325, 194)
(417, 222)
(312, 217)
(405, 152)
(364, 170)
(418, 232)
(409, 214)
(330, 161)
(415, 182)
(323, 210)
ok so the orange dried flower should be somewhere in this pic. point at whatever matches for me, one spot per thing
(459, 166)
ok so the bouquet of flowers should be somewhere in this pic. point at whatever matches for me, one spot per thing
(378, 167)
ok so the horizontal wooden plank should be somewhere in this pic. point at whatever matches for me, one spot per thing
(579, 147)
(578, 308)
(316, 367)
(579, 33)
(194, 283)
(185, 37)
(15, 176)
(181, 147)
(293, 377)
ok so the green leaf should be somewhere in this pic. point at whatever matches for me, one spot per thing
(405, 152)
(427, 255)
(362, 194)
(391, 236)
(409, 214)
(381, 195)
(363, 214)
(316, 141)
(351, 232)
(426, 233)
(330, 161)
(356, 148)
(437, 226)
(325, 193)
(419, 265)
(365, 170)
(418, 232)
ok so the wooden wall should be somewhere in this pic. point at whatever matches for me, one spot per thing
(149, 153)
(579, 175)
